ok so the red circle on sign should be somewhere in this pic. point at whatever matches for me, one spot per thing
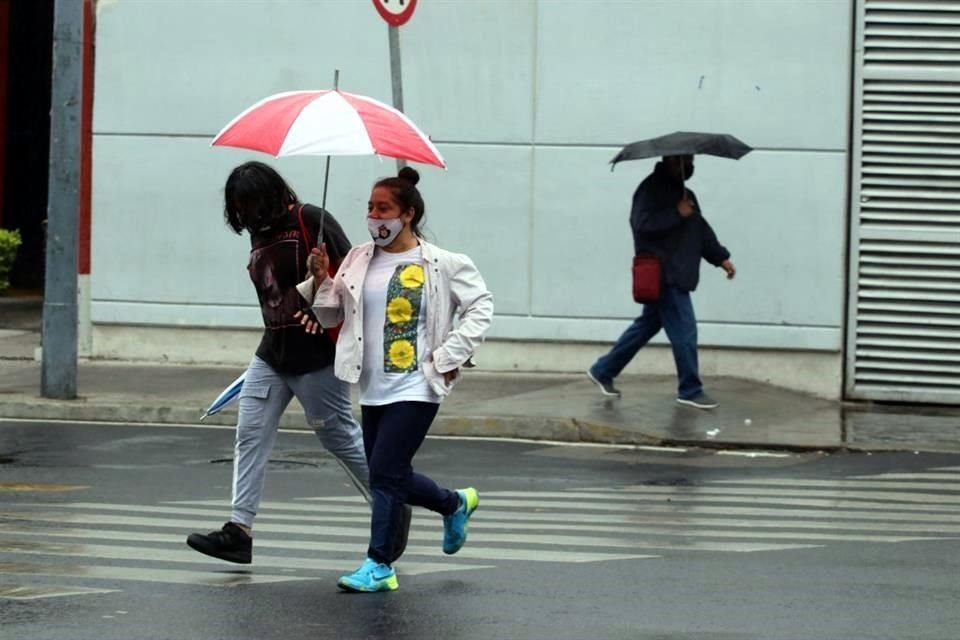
(395, 12)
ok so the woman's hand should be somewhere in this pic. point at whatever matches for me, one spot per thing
(450, 376)
(317, 264)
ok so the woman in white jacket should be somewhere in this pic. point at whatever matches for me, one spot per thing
(398, 298)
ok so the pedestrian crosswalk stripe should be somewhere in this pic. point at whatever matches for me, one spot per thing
(40, 591)
(554, 520)
(857, 483)
(948, 477)
(752, 493)
(188, 556)
(481, 532)
(634, 511)
(142, 574)
(475, 552)
(553, 502)
(303, 538)
(558, 502)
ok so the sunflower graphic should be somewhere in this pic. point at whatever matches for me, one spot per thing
(402, 355)
(412, 276)
(399, 311)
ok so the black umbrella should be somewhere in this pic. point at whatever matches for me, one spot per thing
(683, 143)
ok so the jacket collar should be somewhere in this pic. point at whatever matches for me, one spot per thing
(354, 276)
(429, 250)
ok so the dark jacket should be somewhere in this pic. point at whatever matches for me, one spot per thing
(278, 262)
(658, 228)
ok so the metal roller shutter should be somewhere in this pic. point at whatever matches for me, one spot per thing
(904, 312)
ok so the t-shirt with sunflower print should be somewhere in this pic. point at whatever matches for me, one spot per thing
(394, 308)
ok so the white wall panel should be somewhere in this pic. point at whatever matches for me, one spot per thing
(158, 229)
(159, 234)
(776, 73)
(527, 101)
(189, 66)
(481, 206)
(468, 69)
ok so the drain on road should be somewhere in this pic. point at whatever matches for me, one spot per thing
(669, 482)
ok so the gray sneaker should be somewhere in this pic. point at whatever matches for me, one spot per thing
(606, 388)
(700, 401)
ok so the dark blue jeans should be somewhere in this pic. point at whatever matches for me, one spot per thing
(392, 434)
(673, 313)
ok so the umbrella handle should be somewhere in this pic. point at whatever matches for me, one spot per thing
(683, 183)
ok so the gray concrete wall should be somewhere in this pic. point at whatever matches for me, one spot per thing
(527, 101)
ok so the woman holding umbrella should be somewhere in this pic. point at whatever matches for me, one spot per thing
(289, 360)
(398, 297)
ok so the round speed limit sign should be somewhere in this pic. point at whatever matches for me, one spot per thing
(395, 12)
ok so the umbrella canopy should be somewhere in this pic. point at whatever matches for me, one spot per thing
(328, 123)
(683, 143)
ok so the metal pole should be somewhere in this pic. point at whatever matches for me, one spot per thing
(326, 172)
(59, 330)
(396, 75)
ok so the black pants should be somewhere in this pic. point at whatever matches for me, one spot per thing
(392, 434)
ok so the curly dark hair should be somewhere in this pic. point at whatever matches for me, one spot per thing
(254, 196)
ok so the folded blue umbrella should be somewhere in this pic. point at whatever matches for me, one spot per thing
(226, 396)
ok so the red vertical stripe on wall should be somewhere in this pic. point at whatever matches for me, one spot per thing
(86, 139)
(4, 62)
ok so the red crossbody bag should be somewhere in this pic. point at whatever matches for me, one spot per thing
(647, 278)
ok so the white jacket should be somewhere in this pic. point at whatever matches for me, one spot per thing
(455, 291)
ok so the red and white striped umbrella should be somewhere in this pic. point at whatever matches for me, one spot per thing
(328, 123)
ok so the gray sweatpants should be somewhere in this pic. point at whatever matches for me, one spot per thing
(263, 399)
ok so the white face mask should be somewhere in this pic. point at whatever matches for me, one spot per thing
(384, 232)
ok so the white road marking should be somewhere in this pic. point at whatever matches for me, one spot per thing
(360, 533)
(475, 552)
(641, 512)
(638, 501)
(559, 520)
(143, 574)
(845, 483)
(41, 591)
(746, 493)
(186, 555)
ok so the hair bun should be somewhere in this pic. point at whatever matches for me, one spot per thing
(410, 175)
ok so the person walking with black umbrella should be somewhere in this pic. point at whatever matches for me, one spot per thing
(667, 223)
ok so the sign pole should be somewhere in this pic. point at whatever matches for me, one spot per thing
(396, 75)
(395, 13)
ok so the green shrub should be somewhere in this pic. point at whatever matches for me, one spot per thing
(10, 242)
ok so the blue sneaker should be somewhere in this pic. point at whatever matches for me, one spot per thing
(369, 578)
(455, 525)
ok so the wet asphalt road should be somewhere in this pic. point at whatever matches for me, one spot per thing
(569, 542)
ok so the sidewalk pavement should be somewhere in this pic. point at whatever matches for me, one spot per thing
(561, 407)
